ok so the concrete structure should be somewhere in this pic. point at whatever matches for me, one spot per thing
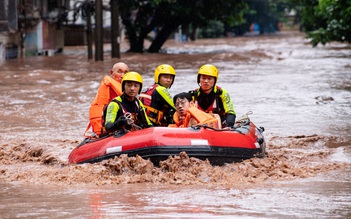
(44, 27)
(31, 27)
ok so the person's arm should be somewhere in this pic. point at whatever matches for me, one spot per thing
(111, 121)
(228, 108)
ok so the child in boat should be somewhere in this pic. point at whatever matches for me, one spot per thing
(127, 111)
(110, 87)
(211, 98)
(157, 99)
(188, 115)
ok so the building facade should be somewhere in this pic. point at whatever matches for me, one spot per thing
(31, 27)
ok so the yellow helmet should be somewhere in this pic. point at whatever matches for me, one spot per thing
(164, 69)
(132, 76)
(209, 70)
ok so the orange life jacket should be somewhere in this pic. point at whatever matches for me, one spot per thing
(100, 101)
(201, 118)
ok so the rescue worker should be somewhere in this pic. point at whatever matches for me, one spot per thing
(211, 98)
(188, 115)
(157, 100)
(110, 87)
(127, 111)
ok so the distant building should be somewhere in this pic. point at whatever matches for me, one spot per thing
(31, 27)
(44, 27)
(75, 29)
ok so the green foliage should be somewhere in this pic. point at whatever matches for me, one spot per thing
(266, 13)
(214, 29)
(165, 16)
(327, 20)
(311, 17)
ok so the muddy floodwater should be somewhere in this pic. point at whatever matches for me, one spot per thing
(299, 94)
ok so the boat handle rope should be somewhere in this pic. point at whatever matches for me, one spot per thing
(208, 127)
(223, 129)
(130, 121)
(245, 118)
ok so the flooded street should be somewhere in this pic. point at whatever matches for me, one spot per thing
(299, 94)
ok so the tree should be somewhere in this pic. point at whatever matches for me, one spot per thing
(266, 13)
(337, 22)
(165, 16)
(26, 22)
(326, 20)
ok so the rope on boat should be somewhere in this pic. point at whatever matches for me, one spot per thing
(208, 127)
(245, 118)
(130, 121)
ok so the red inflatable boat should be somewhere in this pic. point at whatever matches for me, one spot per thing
(219, 146)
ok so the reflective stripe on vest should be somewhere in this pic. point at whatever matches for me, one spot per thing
(155, 115)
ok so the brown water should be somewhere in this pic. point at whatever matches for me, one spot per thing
(300, 94)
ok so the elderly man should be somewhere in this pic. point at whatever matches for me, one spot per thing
(110, 87)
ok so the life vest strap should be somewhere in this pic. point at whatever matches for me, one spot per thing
(158, 113)
(94, 135)
(144, 95)
(86, 130)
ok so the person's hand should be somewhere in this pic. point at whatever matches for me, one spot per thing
(230, 120)
(121, 121)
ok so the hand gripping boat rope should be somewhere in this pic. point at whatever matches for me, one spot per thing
(130, 121)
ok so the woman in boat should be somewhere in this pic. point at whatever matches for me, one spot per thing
(188, 115)
(211, 98)
(157, 99)
(110, 87)
(127, 111)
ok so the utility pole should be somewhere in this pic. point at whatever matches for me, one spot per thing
(115, 33)
(89, 35)
(99, 46)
